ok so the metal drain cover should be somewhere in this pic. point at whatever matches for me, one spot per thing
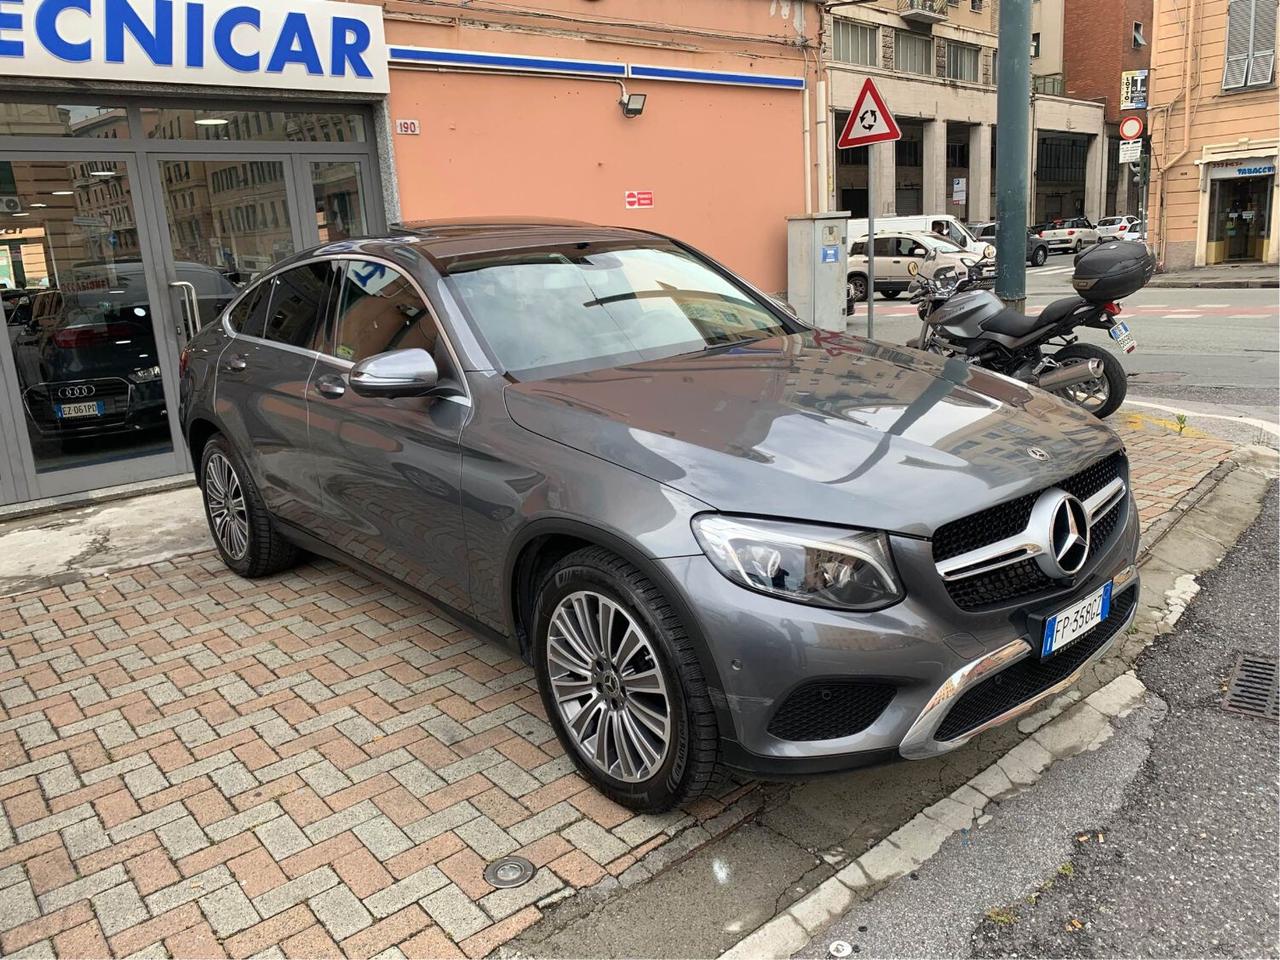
(509, 872)
(1253, 688)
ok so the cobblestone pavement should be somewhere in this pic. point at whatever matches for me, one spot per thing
(192, 764)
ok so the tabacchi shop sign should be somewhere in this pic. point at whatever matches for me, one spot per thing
(297, 45)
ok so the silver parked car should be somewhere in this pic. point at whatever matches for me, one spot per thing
(718, 536)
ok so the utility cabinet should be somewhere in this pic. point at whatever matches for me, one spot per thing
(818, 268)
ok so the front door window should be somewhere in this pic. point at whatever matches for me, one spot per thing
(78, 315)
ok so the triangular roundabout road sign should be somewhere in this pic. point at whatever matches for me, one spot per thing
(870, 121)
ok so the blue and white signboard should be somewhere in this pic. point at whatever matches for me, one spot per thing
(295, 45)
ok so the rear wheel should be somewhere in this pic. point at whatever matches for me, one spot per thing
(1101, 397)
(855, 291)
(621, 683)
(1038, 256)
(242, 529)
(1078, 247)
(892, 294)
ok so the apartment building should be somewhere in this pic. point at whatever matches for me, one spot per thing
(1215, 132)
(936, 63)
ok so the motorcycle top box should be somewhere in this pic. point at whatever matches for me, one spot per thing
(1112, 271)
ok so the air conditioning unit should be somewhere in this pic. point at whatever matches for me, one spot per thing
(10, 205)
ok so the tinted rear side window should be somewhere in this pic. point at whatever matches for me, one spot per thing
(249, 316)
(298, 305)
(380, 311)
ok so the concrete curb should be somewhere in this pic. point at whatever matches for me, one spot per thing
(1213, 284)
(1084, 726)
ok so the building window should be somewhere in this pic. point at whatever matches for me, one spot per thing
(908, 153)
(1139, 41)
(957, 154)
(975, 6)
(1035, 46)
(855, 43)
(962, 62)
(1251, 44)
(913, 53)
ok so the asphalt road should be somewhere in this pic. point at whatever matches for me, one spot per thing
(1213, 354)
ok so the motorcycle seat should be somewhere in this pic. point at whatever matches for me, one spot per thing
(1011, 323)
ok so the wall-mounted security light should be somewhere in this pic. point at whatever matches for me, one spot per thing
(633, 105)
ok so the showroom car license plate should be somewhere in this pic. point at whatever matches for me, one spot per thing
(68, 411)
(1075, 621)
(1123, 337)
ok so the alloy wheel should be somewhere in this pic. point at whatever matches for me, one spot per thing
(227, 510)
(608, 687)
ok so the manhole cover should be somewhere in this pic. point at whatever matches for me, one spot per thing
(1252, 688)
(509, 872)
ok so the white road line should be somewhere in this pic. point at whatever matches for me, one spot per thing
(1251, 421)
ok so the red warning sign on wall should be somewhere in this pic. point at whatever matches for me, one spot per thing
(638, 199)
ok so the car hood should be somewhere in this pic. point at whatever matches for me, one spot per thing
(820, 427)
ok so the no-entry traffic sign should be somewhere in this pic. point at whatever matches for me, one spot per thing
(1131, 128)
(870, 121)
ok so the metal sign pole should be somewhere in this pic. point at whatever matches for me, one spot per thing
(871, 241)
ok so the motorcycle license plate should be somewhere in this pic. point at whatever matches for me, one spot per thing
(1123, 337)
(1069, 625)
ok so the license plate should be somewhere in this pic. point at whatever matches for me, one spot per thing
(67, 411)
(1123, 337)
(1078, 619)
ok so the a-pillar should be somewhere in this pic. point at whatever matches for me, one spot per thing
(886, 178)
(1095, 178)
(979, 172)
(934, 167)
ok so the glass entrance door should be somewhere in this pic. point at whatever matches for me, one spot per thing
(81, 364)
(228, 220)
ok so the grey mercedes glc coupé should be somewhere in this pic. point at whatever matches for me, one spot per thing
(720, 537)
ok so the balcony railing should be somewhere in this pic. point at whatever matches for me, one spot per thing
(923, 11)
(1051, 85)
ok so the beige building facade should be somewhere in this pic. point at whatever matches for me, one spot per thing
(935, 62)
(1215, 132)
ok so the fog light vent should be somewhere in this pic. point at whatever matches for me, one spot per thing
(509, 872)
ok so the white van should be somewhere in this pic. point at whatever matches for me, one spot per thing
(942, 224)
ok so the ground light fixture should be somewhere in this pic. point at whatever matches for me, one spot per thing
(632, 104)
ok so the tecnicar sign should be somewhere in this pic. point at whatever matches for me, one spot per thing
(292, 44)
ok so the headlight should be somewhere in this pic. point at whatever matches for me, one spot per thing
(989, 252)
(145, 374)
(820, 566)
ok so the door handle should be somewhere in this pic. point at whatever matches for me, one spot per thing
(190, 308)
(237, 364)
(331, 386)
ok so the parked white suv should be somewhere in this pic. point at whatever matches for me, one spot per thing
(1071, 235)
(897, 250)
(1119, 228)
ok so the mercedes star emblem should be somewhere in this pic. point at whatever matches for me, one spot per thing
(1065, 525)
(1038, 453)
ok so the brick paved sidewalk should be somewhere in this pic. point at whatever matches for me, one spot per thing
(195, 765)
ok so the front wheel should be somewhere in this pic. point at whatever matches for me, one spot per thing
(1101, 397)
(620, 680)
(855, 292)
(1038, 256)
(892, 294)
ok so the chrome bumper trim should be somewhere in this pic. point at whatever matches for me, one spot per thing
(919, 742)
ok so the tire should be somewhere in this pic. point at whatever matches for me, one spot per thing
(891, 294)
(248, 542)
(572, 594)
(1039, 256)
(1079, 246)
(1114, 381)
(855, 291)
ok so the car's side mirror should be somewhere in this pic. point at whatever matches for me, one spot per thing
(917, 252)
(399, 373)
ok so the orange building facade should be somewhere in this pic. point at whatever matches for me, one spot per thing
(1215, 132)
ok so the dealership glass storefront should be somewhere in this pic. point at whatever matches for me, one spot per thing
(125, 225)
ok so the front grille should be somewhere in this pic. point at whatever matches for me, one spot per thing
(828, 709)
(1031, 676)
(1022, 579)
(113, 393)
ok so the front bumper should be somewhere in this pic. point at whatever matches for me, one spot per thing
(764, 650)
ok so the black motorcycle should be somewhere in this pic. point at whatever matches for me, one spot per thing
(1043, 350)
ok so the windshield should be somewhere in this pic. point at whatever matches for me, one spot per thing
(1110, 221)
(937, 243)
(586, 306)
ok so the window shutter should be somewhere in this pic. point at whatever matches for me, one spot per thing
(1239, 24)
(1262, 62)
